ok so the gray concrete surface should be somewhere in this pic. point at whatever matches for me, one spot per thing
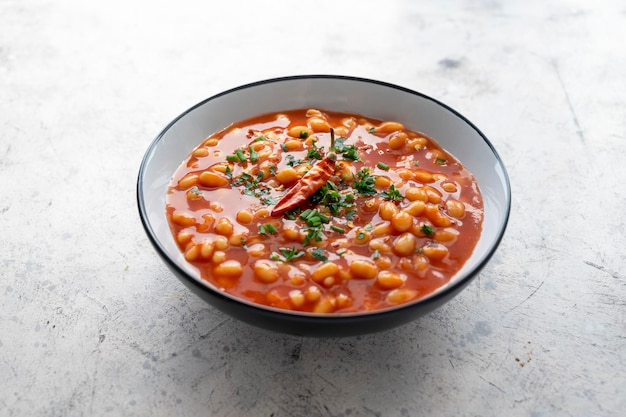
(92, 323)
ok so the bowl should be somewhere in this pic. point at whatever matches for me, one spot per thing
(370, 98)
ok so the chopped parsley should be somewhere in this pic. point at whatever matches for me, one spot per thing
(427, 229)
(382, 166)
(269, 201)
(319, 255)
(292, 162)
(372, 130)
(292, 214)
(392, 194)
(364, 182)
(251, 185)
(314, 234)
(330, 196)
(349, 152)
(304, 134)
(440, 161)
(314, 152)
(286, 254)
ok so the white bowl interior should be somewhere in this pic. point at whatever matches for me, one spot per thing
(366, 97)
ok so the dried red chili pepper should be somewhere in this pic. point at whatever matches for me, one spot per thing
(312, 181)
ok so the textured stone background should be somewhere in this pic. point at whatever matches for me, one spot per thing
(92, 323)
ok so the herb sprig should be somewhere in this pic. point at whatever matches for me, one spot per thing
(319, 254)
(292, 162)
(427, 229)
(364, 182)
(314, 152)
(393, 194)
(330, 196)
(349, 152)
(251, 184)
(286, 254)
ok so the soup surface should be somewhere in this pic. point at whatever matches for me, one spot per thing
(376, 215)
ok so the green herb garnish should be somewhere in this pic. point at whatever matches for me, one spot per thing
(338, 229)
(392, 194)
(292, 162)
(314, 225)
(292, 214)
(440, 161)
(364, 182)
(264, 229)
(349, 152)
(314, 218)
(427, 229)
(251, 184)
(382, 166)
(254, 155)
(241, 156)
(319, 255)
(330, 196)
(314, 234)
(269, 201)
(314, 152)
(288, 254)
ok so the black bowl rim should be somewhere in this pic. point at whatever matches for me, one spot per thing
(348, 318)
